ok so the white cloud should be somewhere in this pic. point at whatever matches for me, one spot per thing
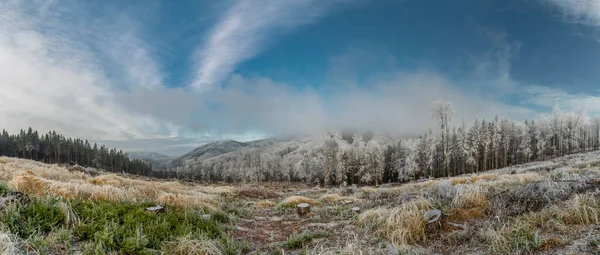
(548, 97)
(246, 29)
(399, 103)
(580, 11)
(51, 79)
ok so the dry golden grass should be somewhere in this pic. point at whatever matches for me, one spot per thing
(4, 160)
(294, 200)
(473, 178)
(70, 216)
(351, 246)
(257, 193)
(423, 186)
(189, 246)
(53, 180)
(265, 203)
(334, 198)
(550, 243)
(368, 190)
(513, 237)
(402, 225)
(512, 180)
(470, 196)
(582, 209)
(183, 201)
(17, 166)
(461, 215)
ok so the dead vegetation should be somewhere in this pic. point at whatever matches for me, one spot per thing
(41, 179)
(541, 209)
(257, 193)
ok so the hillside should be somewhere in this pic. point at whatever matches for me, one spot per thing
(218, 148)
(157, 160)
(547, 207)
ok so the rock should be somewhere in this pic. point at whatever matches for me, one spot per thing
(206, 216)
(156, 209)
(346, 202)
(303, 209)
(456, 225)
(355, 209)
(432, 216)
(391, 250)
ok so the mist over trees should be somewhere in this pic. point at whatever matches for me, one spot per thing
(54, 148)
(339, 158)
(366, 159)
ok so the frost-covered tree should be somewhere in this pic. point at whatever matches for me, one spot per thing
(442, 112)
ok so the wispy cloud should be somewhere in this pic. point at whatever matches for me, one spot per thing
(548, 97)
(580, 11)
(53, 77)
(246, 29)
(494, 66)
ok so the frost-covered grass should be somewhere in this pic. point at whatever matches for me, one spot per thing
(535, 207)
(538, 207)
(43, 179)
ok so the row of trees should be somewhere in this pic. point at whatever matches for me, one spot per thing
(339, 158)
(54, 148)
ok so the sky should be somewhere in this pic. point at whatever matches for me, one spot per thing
(166, 76)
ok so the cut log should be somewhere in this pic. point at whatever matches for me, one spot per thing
(156, 209)
(303, 209)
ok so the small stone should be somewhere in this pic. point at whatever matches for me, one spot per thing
(432, 216)
(156, 209)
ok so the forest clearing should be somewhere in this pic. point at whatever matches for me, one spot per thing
(548, 207)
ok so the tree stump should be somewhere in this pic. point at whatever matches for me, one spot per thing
(156, 209)
(302, 209)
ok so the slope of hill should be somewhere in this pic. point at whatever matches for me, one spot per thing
(294, 158)
(546, 207)
(157, 160)
(214, 149)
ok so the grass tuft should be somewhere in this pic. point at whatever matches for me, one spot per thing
(402, 225)
(294, 200)
(186, 245)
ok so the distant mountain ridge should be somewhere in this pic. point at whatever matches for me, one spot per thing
(218, 148)
(157, 160)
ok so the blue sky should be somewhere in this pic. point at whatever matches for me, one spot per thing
(166, 76)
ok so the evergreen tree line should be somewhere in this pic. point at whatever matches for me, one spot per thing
(338, 159)
(54, 148)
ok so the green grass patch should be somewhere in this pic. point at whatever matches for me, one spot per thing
(132, 229)
(39, 216)
(298, 241)
(109, 228)
(5, 189)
